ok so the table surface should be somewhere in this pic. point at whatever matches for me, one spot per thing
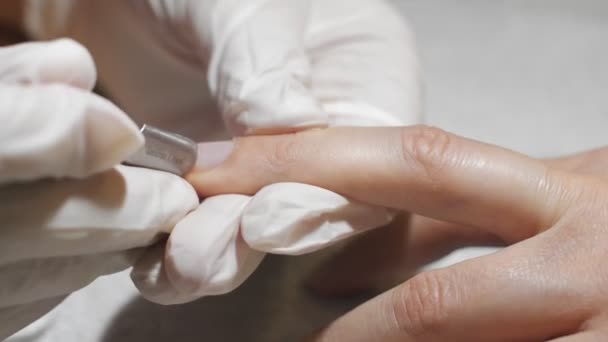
(531, 75)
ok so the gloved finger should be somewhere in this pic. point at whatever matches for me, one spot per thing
(366, 71)
(305, 218)
(15, 318)
(491, 298)
(150, 277)
(260, 74)
(117, 210)
(60, 131)
(417, 169)
(59, 61)
(205, 253)
(37, 279)
(387, 256)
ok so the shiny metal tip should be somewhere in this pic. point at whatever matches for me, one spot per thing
(165, 151)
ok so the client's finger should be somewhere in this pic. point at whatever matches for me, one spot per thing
(492, 298)
(389, 255)
(419, 169)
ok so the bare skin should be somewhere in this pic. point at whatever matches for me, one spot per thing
(549, 283)
(410, 245)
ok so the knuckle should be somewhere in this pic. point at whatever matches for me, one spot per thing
(426, 151)
(420, 306)
(564, 195)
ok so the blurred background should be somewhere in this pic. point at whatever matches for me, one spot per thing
(530, 75)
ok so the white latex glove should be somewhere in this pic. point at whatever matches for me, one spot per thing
(272, 66)
(67, 214)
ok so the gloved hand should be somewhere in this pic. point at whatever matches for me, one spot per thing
(272, 66)
(67, 213)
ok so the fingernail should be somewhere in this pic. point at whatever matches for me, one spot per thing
(212, 154)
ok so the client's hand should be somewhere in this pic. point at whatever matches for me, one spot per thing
(549, 284)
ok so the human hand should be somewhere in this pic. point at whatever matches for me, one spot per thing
(549, 284)
(411, 245)
(68, 213)
(272, 66)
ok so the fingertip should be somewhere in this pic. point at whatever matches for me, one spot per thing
(149, 276)
(110, 136)
(163, 199)
(67, 61)
(205, 254)
(179, 199)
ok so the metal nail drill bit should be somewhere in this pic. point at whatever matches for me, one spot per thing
(165, 151)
